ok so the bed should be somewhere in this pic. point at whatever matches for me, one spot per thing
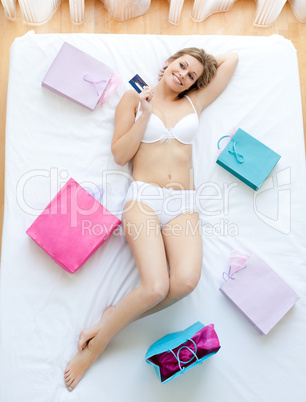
(44, 308)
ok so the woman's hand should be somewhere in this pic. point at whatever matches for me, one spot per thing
(161, 72)
(146, 99)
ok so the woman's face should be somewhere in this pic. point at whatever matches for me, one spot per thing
(183, 72)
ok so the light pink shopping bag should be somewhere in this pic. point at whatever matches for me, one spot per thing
(257, 291)
(72, 226)
(78, 76)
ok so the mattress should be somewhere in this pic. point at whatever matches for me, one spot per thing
(43, 308)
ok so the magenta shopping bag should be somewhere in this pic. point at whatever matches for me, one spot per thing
(72, 226)
(257, 291)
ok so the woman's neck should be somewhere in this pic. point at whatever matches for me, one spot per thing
(163, 91)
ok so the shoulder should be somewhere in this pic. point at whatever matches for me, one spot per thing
(129, 101)
(130, 96)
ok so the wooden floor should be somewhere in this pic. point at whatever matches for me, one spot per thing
(238, 21)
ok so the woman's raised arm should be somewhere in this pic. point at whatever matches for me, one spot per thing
(128, 133)
(227, 64)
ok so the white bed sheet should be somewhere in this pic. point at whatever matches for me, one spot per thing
(44, 308)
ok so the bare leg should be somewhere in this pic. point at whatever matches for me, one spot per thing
(149, 252)
(89, 333)
(184, 253)
(184, 249)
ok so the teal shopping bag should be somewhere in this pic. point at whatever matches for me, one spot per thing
(248, 159)
(178, 352)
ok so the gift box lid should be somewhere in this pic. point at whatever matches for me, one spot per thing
(260, 294)
(77, 76)
(248, 159)
(72, 226)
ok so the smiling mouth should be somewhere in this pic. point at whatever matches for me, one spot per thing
(177, 80)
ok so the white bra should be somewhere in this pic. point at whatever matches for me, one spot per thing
(184, 130)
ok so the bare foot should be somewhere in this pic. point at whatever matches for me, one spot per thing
(78, 366)
(88, 334)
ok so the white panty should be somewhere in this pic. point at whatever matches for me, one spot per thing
(166, 203)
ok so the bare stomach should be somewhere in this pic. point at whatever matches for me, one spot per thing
(167, 164)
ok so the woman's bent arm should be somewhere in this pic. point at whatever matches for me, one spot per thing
(128, 133)
(227, 64)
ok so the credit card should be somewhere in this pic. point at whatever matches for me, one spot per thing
(138, 83)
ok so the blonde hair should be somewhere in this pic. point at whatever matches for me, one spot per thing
(208, 62)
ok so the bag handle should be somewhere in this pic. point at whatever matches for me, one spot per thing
(230, 275)
(177, 356)
(238, 261)
(90, 79)
(238, 156)
(222, 139)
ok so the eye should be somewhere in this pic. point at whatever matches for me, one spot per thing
(191, 77)
(182, 65)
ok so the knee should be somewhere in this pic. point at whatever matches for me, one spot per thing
(183, 285)
(156, 292)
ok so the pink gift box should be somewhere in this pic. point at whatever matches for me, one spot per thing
(78, 76)
(258, 293)
(72, 226)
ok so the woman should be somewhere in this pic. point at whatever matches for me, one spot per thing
(156, 129)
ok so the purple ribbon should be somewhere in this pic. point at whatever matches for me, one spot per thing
(230, 275)
(88, 78)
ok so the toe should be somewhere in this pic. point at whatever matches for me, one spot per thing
(67, 377)
(69, 382)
